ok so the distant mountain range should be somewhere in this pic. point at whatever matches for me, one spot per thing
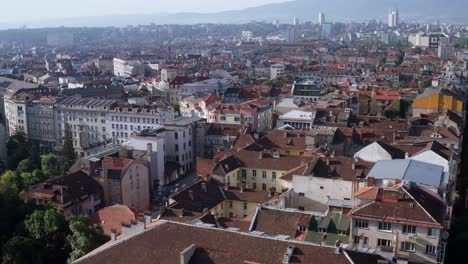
(449, 11)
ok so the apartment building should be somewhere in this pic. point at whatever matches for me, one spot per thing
(123, 120)
(87, 120)
(404, 222)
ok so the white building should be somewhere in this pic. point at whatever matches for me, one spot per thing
(321, 18)
(247, 35)
(393, 17)
(124, 68)
(154, 143)
(277, 70)
(87, 120)
(300, 120)
(202, 88)
(168, 74)
(125, 119)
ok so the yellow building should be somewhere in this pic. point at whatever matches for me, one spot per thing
(437, 100)
(259, 171)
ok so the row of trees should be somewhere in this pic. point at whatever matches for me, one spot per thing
(40, 234)
(31, 233)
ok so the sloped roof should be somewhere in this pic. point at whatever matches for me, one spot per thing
(408, 170)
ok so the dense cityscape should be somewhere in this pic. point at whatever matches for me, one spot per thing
(263, 142)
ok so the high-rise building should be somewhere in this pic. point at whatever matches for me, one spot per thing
(295, 21)
(326, 30)
(291, 35)
(276, 22)
(321, 18)
(393, 17)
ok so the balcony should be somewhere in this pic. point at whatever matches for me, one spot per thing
(386, 248)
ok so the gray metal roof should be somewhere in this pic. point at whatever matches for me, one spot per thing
(409, 170)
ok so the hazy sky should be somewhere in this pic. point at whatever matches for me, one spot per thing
(26, 10)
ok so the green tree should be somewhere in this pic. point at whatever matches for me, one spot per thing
(425, 84)
(24, 166)
(32, 178)
(18, 149)
(51, 165)
(68, 152)
(20, 250)
(49, 227)
(9, 181)
(83, 238)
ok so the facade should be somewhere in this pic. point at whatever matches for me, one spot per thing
(75, 193)
(123, 120)
(277, 70)
(308, 90)
(398, 223)
(257, 114)
(41, 123)
(126, 182)
(393, 18)
(437, 100)
(87, 120)
(206, 87)
(298, 119)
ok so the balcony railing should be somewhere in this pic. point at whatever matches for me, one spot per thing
(386, 248)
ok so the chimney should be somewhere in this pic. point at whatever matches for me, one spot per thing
(181, 212)
(203, 186)
(323, 240)
(328, 161)
(337, 246)
(149, 148)
(242, 187)
(148, 219)
(406, 155)
(162, 210)
(206, 211)
(286, 258)
(187, 254)
(226, 186)
(290, 250)
(370, 181)
(113, 234)
(105, 179)
(353, 166)
(190, 194)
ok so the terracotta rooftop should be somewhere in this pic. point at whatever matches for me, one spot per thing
(112, 217)
(211, 245)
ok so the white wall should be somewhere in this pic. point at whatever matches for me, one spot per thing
(321, 189)
(433, 158)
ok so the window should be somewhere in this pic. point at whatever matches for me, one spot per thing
(245, 206)
(301, 208)
(432, 232)
(176, 135)
(230, 204)
(273, 175)
(264, 174)
(264, 187)
(222, 118)
(384, 243)
(254, 186)
(383, 226)
(357, 239)
(431, 250)
(236, 119)
(321, 187)
(409, 229)
(244, 174)
(302, 228)
(176, 147)
(361, 224)
(407, 246)
(301, 153)
(301, 194)
(254, 173)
